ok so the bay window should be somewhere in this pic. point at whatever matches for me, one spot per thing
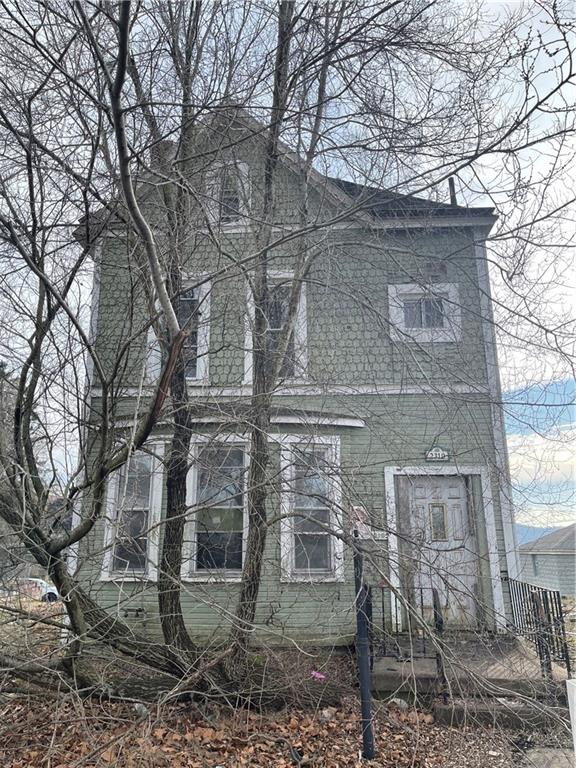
(134, 498)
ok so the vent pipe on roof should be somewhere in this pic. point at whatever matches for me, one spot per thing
(452, 186)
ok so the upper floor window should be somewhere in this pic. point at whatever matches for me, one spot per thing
(134, 499)
(194, 315)
(310, 507)
(424, 313)
(189, 315)
(219, 509)
(277, 311)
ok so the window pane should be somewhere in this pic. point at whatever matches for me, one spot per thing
(310, 482)
(221, 477)
(218, 551)
(311, 552)
(134, 485)
(229, 195)
(189, 315)
(277, 315)
(312, 521)
(277, 305)
(130, 547)
(438, 522)
(220, 519)
(412, 313)
(433, 313)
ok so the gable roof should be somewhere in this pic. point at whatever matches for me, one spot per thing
(385, 204)
(562, 541)
(367, 202)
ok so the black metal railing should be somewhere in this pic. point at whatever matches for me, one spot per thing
(418, 624)
(537, 615)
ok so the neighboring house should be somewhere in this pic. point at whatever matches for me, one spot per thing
(388, 407)
(550, 561)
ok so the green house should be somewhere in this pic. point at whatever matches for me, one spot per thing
(385, 416)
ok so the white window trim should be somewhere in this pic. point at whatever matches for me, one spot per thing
(156, 450)
(300, 331)
(213, 192)
(287, 443)
(398, 330)
(492, 543)
(154, 352)
(188, 571)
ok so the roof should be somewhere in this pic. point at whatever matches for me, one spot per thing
(386, 204)
(561, 541)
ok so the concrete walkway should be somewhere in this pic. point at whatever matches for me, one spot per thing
(549, 758)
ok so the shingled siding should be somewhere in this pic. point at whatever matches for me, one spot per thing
(552, 571)
(349, 340)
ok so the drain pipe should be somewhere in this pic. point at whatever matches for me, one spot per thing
(363, 654)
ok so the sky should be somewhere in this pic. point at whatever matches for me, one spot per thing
(541, 438)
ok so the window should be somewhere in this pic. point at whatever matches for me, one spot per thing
(424, 313)
(294, 364)
(194, 313)
(229, 204)
(438, 522)
(228, 193)
(309, 504)
(277, 309)
(134, 500)
(218, 517)
(189, 316)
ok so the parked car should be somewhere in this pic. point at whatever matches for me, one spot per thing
(36, 589)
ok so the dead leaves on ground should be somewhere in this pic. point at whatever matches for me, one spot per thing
(76, 734)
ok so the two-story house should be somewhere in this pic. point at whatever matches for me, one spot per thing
(387, 404)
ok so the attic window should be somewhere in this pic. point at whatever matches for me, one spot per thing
(228, 193)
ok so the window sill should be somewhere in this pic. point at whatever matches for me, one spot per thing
(201, 578)
(193, 382)
(419, 336)
(111, 577)
(312, 578)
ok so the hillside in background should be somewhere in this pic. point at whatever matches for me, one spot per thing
(526, 533)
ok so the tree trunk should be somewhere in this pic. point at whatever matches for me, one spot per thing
(261, 367)
(169, 581)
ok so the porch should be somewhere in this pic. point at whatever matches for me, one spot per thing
(514, 678)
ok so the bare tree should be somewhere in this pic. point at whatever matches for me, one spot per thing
(112, 133)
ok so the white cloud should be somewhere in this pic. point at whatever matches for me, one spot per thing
(547, 459)
(543, 473)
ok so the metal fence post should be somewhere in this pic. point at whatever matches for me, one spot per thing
(363, 655)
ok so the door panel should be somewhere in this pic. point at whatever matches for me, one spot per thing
(443, 547)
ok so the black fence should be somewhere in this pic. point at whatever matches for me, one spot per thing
(421, 628)
(537, 615)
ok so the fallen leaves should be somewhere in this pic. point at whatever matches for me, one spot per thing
(94, 734)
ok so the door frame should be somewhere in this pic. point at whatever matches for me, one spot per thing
(488, 504)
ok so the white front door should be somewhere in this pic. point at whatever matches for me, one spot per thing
(444, 548)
